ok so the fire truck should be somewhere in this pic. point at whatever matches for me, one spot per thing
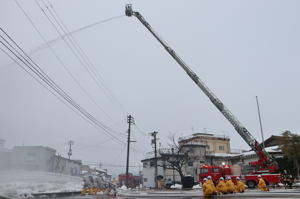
(266, 166)
(250, 179)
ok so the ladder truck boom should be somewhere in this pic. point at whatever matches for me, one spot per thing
(265, 160)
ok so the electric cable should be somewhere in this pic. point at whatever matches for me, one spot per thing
(71, 44)
(83, 53)
(61, 62)
(40, 82)
(45, 78)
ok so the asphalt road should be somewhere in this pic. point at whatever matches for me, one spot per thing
(178, 194)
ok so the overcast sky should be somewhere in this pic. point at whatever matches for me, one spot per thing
(240, 49)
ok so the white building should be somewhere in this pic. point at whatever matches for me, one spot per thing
(196, 154)
(4, 156)
(37, 158)
(148, 171)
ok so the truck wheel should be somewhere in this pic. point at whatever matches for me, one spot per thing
(251, 184)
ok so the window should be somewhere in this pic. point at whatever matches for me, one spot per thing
(204, 170)
(207, 146)
(152, 163)
(215, 170)
(145, 164)
(190, 164)
(145, 179)
(221, 148)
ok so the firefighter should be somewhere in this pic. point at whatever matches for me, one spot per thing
(287, 179)
(240, 187)
(85, 185)
(221, 186)
(207, 188)
(161, 183)
(99, 183)
(229, 185)
(210, 181)
(92, 187)
(261, 184)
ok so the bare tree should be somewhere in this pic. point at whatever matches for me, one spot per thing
(175, 158)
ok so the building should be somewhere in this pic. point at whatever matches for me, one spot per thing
(34, 158)
(66, 166)
(214, 143)
(148, 171)
(196, 157)
(93, 170)
(37, 158)
(204, 148)
(4, 156)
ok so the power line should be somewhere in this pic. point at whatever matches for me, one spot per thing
(40, 82)
(118, 156)
(84, 55)
(27, 61)
(141, 131)
(61, 62)
(76, 49)
(54, 87)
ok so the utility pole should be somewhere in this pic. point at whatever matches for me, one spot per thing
(130, 121)
(173, 166)
(260, 123)
(70, 143)
(155, 157)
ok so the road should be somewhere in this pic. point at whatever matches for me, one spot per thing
(178, 194)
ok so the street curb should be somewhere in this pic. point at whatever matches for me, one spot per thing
(56, 194)
(275, 194)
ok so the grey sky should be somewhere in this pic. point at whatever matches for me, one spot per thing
(240, 49)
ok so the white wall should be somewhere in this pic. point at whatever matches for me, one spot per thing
(36, 158)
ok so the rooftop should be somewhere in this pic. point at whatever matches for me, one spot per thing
(273, 149)
(208, 135)
(34, 147)
(223, 154)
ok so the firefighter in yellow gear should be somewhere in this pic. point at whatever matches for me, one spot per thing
(83, 191)
(261, 184)
(210, 181)
(86, 184)
(229, 185)
(221, 186)
(207, 188)
(161, 184)
(240, 187)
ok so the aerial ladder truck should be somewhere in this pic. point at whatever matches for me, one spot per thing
(266, 164)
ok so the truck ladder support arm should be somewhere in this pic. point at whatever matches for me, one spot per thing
(264, 157)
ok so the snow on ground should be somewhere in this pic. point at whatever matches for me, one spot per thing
(296, 184)
(124, 188)
(20, 184)
(197, 186)
(176, 186)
